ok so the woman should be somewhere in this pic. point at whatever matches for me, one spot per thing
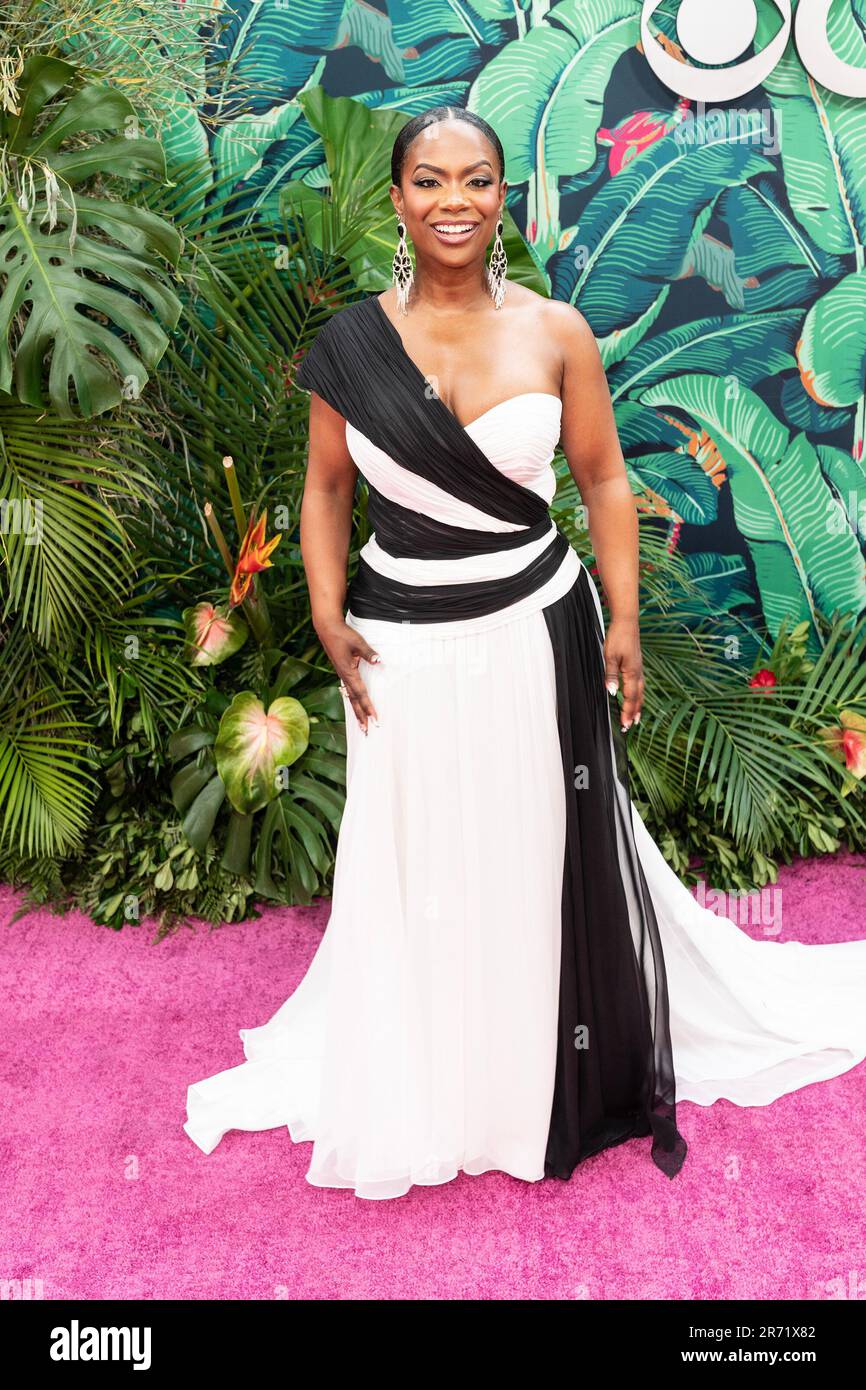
(492, 990)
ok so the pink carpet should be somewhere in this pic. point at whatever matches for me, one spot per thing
(106, 1196)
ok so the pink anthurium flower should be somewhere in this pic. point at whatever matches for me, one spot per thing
(213, 633)
(254, 743)
(848, 742)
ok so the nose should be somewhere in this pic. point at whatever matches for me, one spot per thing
(454, 198)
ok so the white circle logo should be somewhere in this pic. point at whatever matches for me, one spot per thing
(712, 33)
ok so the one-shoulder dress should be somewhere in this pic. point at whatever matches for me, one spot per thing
(512, 977)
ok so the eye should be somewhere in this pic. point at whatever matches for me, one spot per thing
(480, 181)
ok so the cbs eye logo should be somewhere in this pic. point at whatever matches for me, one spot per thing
(714, 33)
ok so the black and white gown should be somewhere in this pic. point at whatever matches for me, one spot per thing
(512, 976)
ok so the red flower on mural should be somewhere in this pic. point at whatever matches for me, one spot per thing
(630, 137)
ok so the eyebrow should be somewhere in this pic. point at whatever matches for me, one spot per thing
(477, 165)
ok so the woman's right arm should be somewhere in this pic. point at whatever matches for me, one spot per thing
(326, 528)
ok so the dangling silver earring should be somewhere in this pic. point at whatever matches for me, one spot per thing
(497, 269)
(401, 270)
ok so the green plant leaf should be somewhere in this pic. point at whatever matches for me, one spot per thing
(253, 743)
(85, 286)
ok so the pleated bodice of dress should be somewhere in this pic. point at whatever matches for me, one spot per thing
(519, 436)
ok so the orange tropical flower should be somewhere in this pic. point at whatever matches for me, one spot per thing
(254, 556)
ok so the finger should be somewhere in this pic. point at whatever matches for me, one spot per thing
(611, 674)
(368, 653)
(357, 710)
(361, 702)
(361, 689)
(363, 649)
(632, 698)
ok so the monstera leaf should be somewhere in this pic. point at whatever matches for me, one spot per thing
(85, 286)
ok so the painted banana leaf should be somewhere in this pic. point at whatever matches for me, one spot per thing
(543, 93)
(268, 50)
(736, 345)
(803, 412)
(832, 350)
(772, 249)
(848, 484)
(824, 138)
(636, 230)
(722, 579)
(782, 502)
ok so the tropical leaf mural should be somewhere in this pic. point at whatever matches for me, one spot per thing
(717, 256)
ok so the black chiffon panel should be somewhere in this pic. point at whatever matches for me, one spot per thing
(614, 1076)
(614, 1065)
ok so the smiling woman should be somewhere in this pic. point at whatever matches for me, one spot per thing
(512, 977)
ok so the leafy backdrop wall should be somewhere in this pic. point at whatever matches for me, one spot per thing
(157, 294)
(719, 259)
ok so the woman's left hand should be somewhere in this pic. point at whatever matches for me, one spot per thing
(623, 659)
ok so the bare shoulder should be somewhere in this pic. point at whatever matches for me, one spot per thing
(560, 322)
(568, 325)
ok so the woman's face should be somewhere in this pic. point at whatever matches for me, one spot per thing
(451, 195)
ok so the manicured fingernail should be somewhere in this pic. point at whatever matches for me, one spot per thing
(626, 725)
(374, 721)
(611, 687)
(637, 717)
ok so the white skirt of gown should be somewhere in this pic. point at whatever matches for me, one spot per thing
(422, 1039)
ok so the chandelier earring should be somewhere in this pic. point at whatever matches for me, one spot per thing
(498, 268)
(401, 270)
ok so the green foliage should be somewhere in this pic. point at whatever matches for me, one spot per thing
(273, 213)
(84, 284)
(133, 861)
(289, 850)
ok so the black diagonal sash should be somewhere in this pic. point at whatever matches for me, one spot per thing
(614, 1077)
(358, 364)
